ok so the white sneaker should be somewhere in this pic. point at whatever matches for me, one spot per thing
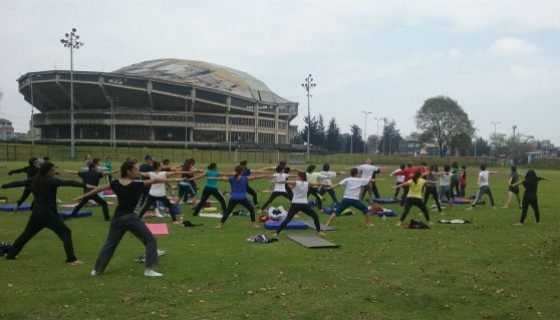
(398, 224)
(158, 214)
(152, 273)
(160, 253)
(94, 273)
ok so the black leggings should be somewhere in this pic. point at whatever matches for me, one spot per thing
(405, 193)
(432, 191)
(253, 194)
(418, 203)
(331, 193)
(244, 202)
(273, 196)
(24, 196)
(315, 192)
(455, 187)
(206, 193)
(152, 199)
(97, 200)
(397, 190)
(532, 201)
(44, 218)
(300, 207)
(370, 187)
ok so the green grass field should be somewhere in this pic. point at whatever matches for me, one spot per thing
(489, 269)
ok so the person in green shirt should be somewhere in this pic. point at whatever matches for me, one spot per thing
(109, 165)
(210, 189)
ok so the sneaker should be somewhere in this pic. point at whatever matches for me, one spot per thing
(152, 273)
(398, 224)
(94, 273)
(75, 263)
(519, 224)
(160, 253)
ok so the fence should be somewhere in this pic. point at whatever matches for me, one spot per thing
(21, 152)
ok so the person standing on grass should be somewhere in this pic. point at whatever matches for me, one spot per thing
(300, 204)
(247, 173)
(109, 165)
(327, 182)
(431, 186)
(445, 186)
(352, 187)
(128, 190)
(409, 173)
(279, 179)
(414, 197)
(483, 187)
(531, 184)
(455, 179)
(158, 193)
(187, 188)
(91, 179)
(210, 189)
(399, 175)
(463, 180)
(367, 170)
(312, 177)
(30, 170)
(513, 188)
(44, 215)
(238, 195)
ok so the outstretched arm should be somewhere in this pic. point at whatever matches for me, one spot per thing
(517, 183)
(22, 170)
(92, 192)
(15, 184)
(258, 177)
(68, 183)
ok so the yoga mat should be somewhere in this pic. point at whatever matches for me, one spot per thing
(387, 213)
(384, 201)
(157, 228)
(462, 201)
(312, 241)
(10, 207)
(81, 214)
(292, 225)
(210, 215)
(209, 209)
(324, 227)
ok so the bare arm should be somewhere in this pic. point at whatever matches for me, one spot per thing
(257, 177)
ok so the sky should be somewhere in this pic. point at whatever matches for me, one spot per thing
(500, 60)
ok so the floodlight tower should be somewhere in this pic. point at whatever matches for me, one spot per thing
(308, 85)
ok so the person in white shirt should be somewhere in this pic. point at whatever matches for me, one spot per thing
(353, 185)
(300, 203)
(367, 171)
(279, 179)
(327, 182)
(399, 175)
(483, 187)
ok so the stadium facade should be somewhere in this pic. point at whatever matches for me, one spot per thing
(160, 102)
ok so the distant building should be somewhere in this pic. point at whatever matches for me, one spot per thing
(6, 129)
(410, 147)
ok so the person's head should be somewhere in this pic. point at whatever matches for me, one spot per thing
(454, 165)
(87, 156)
(311, 168)
(283, 163)
(156, 165)
(482, 167)
(108, 158)
(243, 163)
(446, 168)
(287, 170)
(513, 169)
(531, 176)
(279, 169)
(148, 159)
(129, 169)
(353, 172)
(238, 170)
(188, 164)
(45, 170)
(326, 167)
(403, 166)
(368, 161)
(464, 167)
(92, 165)
(31, 161)
(213, 166)
(166, 162)
(302, 176)
(416, 176)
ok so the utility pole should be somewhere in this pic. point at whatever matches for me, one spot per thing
(366, 113)
(308, 85)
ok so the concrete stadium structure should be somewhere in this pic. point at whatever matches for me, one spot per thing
(160, 102)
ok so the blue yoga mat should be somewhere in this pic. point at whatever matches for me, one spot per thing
(385, 201)
(388, 213)
(461, 201)
(68, 213)
(10, 207)
(293, 225)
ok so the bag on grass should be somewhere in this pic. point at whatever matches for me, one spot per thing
(277, 214)
(5, 248)
(261, 238)
(415, 224)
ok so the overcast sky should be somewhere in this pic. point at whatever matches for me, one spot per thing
(500, 60)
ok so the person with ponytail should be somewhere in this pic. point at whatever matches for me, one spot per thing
(313, 177)
(300, 204)
(30, 170)
(513, 188)
(128, 190)
(531, 184)
(280, 181)
(44, 215)
(210, 189)
(91, 179)
(239, 184)
(414, 197)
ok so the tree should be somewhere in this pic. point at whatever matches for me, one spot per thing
(320, 136)
(481, 147)
(357, 142)
(442, 120)
(391, 138)
(332, 137)
(317, 133)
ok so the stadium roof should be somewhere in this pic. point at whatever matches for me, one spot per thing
(204, 74)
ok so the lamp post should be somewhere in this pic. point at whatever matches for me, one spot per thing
(495, 123)
(514, 127)
(377, 119)
(366, 113)
(32, 105)
(308, 85)
(71, 41)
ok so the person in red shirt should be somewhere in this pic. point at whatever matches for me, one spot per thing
(409, 173)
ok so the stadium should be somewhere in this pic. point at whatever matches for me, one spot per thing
(164, 102)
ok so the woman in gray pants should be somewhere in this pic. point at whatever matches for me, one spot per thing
(128, 191)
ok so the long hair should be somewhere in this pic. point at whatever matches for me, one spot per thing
(212, 166)
(531, 177)
(311, 168)
(156, 165)
(326, 167)
(279, 169)
(514, 169)
(31, 161)
(353, 172)
(302, 175)
(187, 165)
(38, 183)
(238, 171)
(416, 176)
(126, 167)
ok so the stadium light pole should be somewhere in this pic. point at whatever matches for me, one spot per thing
(377, 119)
(308, 85)
(32, 101)
(495, 124)
(514, 127)
(71, 41)
(366, 113)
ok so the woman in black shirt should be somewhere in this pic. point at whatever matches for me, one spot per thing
(44, 215)
(30, 171)
(531, 183)
(128, 191)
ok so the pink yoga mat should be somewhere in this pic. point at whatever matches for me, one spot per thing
(157, 228)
